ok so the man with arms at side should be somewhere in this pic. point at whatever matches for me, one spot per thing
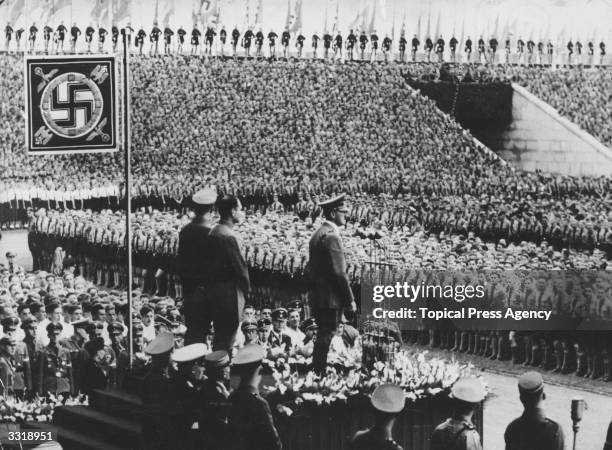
(330, 292)
(226, 274)
(533, 430)
(190, 263)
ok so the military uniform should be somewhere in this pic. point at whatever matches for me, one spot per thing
(250, 418)
(214, 404)
(458, 432)
(330, 288)
(54, 367)
(388, 399)
(533, 430)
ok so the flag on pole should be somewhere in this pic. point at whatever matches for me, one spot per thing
(297, 17)
(259, 13)
(437, 26)
(418, 30)
(372, 25)
(17, 10)
(289, 18)
(325, 21)
(120, 11)
(462, 33)
(99, 10)
(335, 28)
(428, 24)
(168, 12)
(496, 27)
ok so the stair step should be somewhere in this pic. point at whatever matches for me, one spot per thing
(73, 440)
(115, 430)
(115, 402)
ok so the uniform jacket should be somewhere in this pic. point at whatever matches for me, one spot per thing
(225, 263)
(251, 422)
(330, 287)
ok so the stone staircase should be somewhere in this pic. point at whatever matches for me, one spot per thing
(110, 422)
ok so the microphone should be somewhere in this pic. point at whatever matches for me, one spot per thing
(577, 409)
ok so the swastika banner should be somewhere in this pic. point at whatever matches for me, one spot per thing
(71, 104)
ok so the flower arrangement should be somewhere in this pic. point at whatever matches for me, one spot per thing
(418, 374)
(39, 409)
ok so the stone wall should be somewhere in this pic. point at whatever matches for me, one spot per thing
(539, 138)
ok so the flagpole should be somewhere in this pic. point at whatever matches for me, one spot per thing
(128, 185)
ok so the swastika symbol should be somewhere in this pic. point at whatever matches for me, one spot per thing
(71, 105)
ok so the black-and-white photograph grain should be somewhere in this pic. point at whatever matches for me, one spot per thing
(306, 224)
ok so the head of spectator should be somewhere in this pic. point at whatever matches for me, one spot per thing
(247, 364)
(29, 326)
(531, 390)
(279, 319)
(53, 332)
(8, 345)
(334, 210)
(147, 315)
(466, 394)
(293, 320)
(54, 312)
(230, 210)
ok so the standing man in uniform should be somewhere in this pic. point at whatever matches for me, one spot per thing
(55, 365)
(330, 292)
(285, 37)
(250, 419)
(195, 40)
(226, 274)
(214, 402)
(75, 32)
(327, 40)
(181, 40)
(533, 430)
(458, 432)
(235, 37)
(89, 32)
(388, 401)
(32, 37)
(190, 262)
(168, 40)
(468, 49)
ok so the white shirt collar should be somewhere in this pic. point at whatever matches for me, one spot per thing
(333, 225)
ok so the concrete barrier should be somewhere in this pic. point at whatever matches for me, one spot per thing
(540, 138)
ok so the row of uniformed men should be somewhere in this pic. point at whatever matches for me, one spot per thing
(64, 365)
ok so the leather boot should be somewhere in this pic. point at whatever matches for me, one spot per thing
(514, 357)
(484, 344)
(473, 339)
(590, 364)
(545, 357)
(450, 340)
(580, 369)
(596, 372)
(607, 376)
(533, 361)
(565, 365)
(465, 342)
(528, 352)
(558, 359)
(493, 347)
(457, 343)
(501, 348)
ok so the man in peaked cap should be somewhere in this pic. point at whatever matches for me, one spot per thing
(188, 382)
(458, 432)
(533, 430)
(214, 401)
(22, 377)
(190, 264)
(250, 418)
(278, 341)
(55, 365)
(388, 400)
(161, 413)
(330, 292)
(249, 330)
